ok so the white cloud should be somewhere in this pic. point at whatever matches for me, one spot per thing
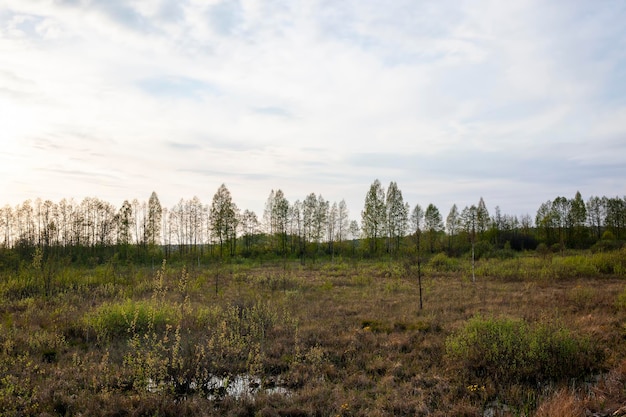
(182, 96)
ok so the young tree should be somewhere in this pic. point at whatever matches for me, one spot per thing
(417, 220)
(596, 215)
(124, 224)
(560, 216)
(343, 222)
(433, 224)
(373, 215)
(615, 217)
(482, 217)
(295, 226)
(309, 207)
(276, 219)
(153, 225)
(397, 214)
(280, 218)
(578, 217)
(545, 222)
(331, 226)
(6, 223)
(469, 221)
(268, 212)
(354, 233)
(249, 228)
(453, 223)
(223, 217)
(320, 220)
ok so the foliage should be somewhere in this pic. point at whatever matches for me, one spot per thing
(115, 319)
(506, 350)
(442, 263)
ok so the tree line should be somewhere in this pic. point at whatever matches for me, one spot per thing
(306, 228)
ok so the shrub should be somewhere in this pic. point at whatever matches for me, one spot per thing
(117, 319)
(508, 350)
(613, 262)
(442, 263)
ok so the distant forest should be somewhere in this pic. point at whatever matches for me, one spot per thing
(95, 231)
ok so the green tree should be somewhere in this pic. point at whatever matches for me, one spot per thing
(397, 217)
(482, 218)
(433, 224)
(545, 222)
(249, 224)
(280, 218)
(373, 215)
(560, 217)
(309, 208)
(296, 226)
(320, 220)
(615, 217)
(469, 221)
(223, 218)
(577, 219)
(417, 223)
(153, 227)
(453, 223)
(124, 225)
(276, 220)
(595, 215)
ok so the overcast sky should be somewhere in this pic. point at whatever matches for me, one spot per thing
(515, 101)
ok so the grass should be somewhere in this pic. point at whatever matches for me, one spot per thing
(339, 338)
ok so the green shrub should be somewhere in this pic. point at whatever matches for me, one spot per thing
(613, 262)
(508, 350)
(576, 266)
(442, 263)
(117, 319)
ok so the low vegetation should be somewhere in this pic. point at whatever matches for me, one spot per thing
(536, 334)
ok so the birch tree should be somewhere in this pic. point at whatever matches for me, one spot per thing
(373, 216)
(222, 217)
(397, 216)
(433, 224)
(453, 223)
(153, 229)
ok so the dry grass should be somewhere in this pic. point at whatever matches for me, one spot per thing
(347, 339)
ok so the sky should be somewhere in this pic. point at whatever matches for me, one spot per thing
(515, 101)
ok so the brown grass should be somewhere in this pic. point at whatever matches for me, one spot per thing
(355, 344)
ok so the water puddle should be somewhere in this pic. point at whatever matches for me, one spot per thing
(238, 386)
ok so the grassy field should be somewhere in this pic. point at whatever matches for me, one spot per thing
(534, 336)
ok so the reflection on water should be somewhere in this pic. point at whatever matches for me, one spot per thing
(238, 386)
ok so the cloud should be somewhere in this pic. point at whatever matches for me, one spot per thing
(174, 86)
(449, 98)
(225, 16)
(184, 146)
(273, 111)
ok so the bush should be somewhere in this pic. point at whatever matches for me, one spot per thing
(512, 351)
(117, 319)
(613, 262)
(442, 263)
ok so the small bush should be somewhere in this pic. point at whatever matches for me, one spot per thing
(612, 262)
(442, 263)
(512, 351)
(117, 319)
